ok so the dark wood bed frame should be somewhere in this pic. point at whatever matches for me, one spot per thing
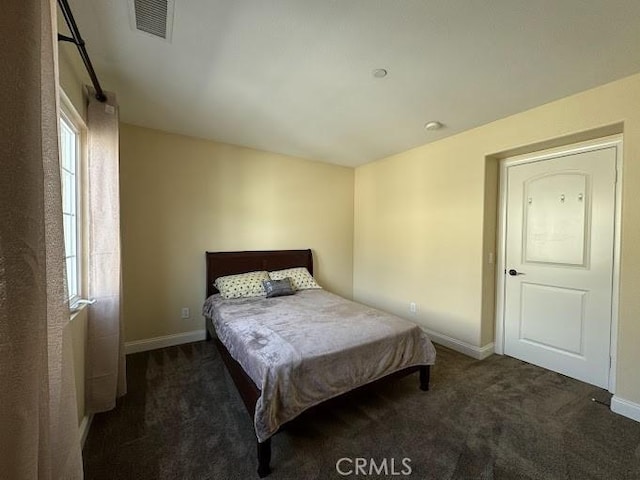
(228, 263)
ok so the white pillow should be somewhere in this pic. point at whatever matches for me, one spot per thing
(242, 285)
(300, 277)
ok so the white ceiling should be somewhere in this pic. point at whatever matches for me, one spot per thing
(294, 76)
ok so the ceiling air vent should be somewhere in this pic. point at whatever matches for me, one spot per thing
(154, 17)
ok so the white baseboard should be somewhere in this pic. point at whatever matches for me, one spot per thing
(85, 424)
(479, 353)
(164, 341)
(625, 408)
(486, 351)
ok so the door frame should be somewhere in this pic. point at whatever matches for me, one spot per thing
(599, 144)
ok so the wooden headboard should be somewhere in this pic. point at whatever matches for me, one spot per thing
(220, 264)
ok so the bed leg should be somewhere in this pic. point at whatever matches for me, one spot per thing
(264, 458)
(425, 372)
(207, 334)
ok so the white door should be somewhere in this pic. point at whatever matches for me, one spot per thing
(559, 263)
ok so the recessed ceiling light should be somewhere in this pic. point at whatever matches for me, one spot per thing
(433, 125)
(380, 73)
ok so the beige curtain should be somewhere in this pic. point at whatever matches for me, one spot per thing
(105, 369)
(38, 417)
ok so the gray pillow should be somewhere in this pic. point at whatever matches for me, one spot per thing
(278, 288)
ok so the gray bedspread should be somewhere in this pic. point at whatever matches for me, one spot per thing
(306, 348)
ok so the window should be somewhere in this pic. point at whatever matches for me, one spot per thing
(70, 176)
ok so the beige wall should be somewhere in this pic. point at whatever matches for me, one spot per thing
(489, 254)
(72, 77)
(425, 219)
(182, 196)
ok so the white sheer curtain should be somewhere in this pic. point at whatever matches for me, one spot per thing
(105, 369)
(38, 417)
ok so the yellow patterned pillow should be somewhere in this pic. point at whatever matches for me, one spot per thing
(242, 285)
(300, 277)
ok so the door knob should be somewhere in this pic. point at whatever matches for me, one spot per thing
(513, 272)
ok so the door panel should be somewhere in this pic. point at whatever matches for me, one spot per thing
(555, 224)
(553, 317)
(559, 240)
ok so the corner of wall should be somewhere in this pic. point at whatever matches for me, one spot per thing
(489, 249)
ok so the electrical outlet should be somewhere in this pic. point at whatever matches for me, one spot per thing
(413, 308)
(185, 313)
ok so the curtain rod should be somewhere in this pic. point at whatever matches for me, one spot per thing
(79, 42)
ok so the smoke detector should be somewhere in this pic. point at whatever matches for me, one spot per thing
(380, 72)
(434, 125)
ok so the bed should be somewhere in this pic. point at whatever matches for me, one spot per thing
(289, 354)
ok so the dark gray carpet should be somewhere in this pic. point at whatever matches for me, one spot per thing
(496, 419)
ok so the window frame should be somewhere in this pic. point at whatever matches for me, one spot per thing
(72, 119)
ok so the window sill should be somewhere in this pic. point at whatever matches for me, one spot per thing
(78, 305)
(75, 310)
